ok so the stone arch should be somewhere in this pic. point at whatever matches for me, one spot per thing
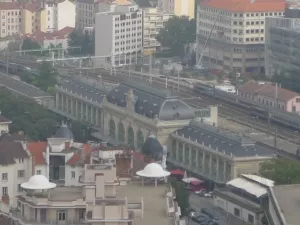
(130, 136)
(112, 128)
(121, 132)
(140, 139)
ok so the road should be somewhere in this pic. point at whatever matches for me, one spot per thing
(198, 203)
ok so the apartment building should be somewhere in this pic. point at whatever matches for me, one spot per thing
(4, 124)
(154, 20)
(236, 33)
(18, 18)
(178, 7)
(282, 46)
(119, 33)
(60, 14)
(85, 14)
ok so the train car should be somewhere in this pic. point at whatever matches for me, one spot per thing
(287, 119)
(203, 89)
(258, 112)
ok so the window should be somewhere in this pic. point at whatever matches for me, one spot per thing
(20, 189)
(81, 214)
(73, 174)
(38, 172)
(62, 215)
(236, 212)
(4, 191)
(250, 218)
(21, 160)
(4, 176)
(21, 173)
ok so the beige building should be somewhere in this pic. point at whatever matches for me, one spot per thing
(154, 20)
(178, 7)
(236, 33)
(214, 154)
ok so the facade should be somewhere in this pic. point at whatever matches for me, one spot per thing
(236, 33)
(85, 14)
(118, 34)
(21, 88)
(4, 124)
(282, 33)
(154, 20)
(34, 18)
(271, 96)
(60, 14)
(283, 204)
(244, 197)
(214, 154)
(15, 167)
(178, 7)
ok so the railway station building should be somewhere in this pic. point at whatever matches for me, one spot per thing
(213, 154)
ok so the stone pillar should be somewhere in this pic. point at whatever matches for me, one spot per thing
(81, 111)
(217, 169)
(197, 158)
(67, 105)
(177, 151)
(57, 100)
(92, 115)
(72, 107)
(183, 153)
(86, 112)
(190, 157)
(203, 163)
(210, 165)
(76, 109)
(224, 171)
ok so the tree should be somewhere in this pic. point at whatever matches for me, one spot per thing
(177, 33)
(290, 81)
(84, 40)
(182, 197)
(29, 44)
(282, 171)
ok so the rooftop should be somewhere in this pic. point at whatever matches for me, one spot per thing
(151, 102)
(288, 199)
(9, 151)
(3, 119)
(246, 5)
(22, 87)
(154, 202)
(56, 35)
(222, 141)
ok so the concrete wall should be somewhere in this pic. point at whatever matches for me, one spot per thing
(69, 180)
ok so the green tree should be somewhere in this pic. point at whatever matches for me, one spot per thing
(29, 44)
(84, 40)
(177, 33)
(282, 171)
(289, 81)
(182, 197)
(47, 77)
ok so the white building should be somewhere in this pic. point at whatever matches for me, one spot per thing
(244, 197)
(60, 14)
(119, 33)
(15, 168)
(236, 33)
(85, 14)
(4, 124)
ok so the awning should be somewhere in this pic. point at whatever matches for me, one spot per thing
(192, 180)
(177, 172)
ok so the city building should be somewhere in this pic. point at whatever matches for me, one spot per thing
(4, 124)
(118, 34)
(19, 19)
(271, 95)
(213, 154)
(60, 14)
(60, 159)
(281, 48)
(85, 14)
(236, 33)
(29, 91)
(15, 167)
(154, 20)
(284, 204)
(178, 7)
(244, 197)
(129, 113)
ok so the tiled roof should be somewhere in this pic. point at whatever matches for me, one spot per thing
(40, 36)
(268, 90)
(36, 149)
(76, 157)
(12, 137)
(3, 119)
(246, 5)
(10, 151)
(32, 7)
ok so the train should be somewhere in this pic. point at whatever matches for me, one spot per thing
(13, 68)
(256, 109)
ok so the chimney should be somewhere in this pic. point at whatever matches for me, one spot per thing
(67, 145)
(82, 155)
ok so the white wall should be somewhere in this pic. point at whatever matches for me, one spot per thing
(68, 175)
(229, 207)
(50, 8)
(63, 42)
(43, 169)
(66, 14)
(4, 127)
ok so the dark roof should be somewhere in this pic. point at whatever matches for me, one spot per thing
(22, 87)
(153, 148)
(151, 102)
(10, 151)
(3, 119)
(64, 132)
(12, 137)
(83, 90)
(222, 141)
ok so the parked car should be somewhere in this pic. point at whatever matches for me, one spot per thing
(208, 195)
(200, 219)
(209, 213)
(200, 192)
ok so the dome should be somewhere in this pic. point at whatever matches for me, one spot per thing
(153, 148)
(38, 182)
(153, 170)
(64, 132)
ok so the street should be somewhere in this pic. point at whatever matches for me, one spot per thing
(198, 203)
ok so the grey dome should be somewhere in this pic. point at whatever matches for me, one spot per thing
(153, 148)
(64, 132)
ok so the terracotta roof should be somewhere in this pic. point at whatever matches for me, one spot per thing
(36, 149)
(32, 7)
(3, 119)
(268, 90)
(76, 157)
(63, 32)
(10, 151)
(246, 5)
(40, 36)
